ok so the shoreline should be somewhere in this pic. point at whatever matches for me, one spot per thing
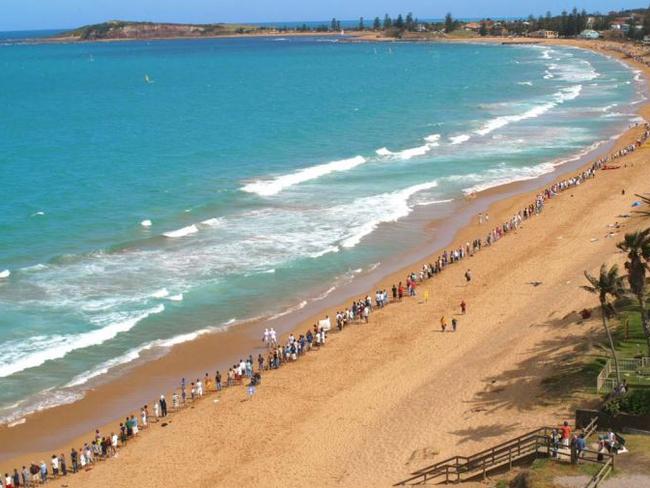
(117, 395)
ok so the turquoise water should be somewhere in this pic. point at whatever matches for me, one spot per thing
(262, 165)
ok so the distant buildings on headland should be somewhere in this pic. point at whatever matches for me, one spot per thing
(627, 24)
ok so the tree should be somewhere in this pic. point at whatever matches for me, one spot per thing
(335, 25)
(637, 247)
(399, 22)
(607, 284)
(361, 26)
(376, 25)
(449, 23)
(388, 23)
(410, 24)
(483, 30)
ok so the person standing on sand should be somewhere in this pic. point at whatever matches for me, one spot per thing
(74, 459)
(480, 218)
(55, 466)
(468, 275)
(394, 292)
(454, 324)
(463, 307)
(400, 291)
(217, 380)
(163, 406)
(443, 323)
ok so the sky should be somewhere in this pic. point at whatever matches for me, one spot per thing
(55, 14)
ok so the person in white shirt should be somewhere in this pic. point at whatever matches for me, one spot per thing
(55, 465)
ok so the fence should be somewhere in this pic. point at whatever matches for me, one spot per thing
(605, 383)
(532, 444)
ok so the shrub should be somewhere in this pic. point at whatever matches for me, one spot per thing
(637, 402)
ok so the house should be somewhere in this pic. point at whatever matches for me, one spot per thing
(589, 34)
(544, 34)
(620, 25)
(646, 41)
(472, 26)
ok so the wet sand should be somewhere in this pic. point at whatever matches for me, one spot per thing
(380, 399)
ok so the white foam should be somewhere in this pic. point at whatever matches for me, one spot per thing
(324, 294)
(548, 75)
(41, 401)
(38, 214)
(146, 223)
(525, 83)
(136, 353)
(274, 186)
(433, 202)
(45, 348)
(459, 139)
(160, 293)
(289, 310)
(546, 54)
(389, 207)
(432, 138)
(564, 95)
(185, 231)
(505, 175)
(176, 298)
(5, 274)
(406, 154)
(327, 250)
(213, 222)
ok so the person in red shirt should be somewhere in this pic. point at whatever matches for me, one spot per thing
(566, 433)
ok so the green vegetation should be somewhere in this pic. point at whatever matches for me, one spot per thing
(637, 247)
(637, 402)
(116, 29)
(607, 284)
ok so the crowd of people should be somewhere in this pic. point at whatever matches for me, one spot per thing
(563, 441)
(104, 446)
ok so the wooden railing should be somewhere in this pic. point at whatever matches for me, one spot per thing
(458, 468)
(600, 476)
(535, 443)
(590, 428)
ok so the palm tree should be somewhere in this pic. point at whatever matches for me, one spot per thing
(637, 247)
(607, 284)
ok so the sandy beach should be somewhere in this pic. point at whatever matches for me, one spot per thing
(383, 399)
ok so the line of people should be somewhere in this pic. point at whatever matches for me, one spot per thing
(105, 446)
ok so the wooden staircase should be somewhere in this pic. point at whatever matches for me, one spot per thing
(531, 445)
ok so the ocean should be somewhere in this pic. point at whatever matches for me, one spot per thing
(156, 191)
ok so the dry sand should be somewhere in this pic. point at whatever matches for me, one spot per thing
(383, 399)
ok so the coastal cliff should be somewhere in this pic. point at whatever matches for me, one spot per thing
(118, 29)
